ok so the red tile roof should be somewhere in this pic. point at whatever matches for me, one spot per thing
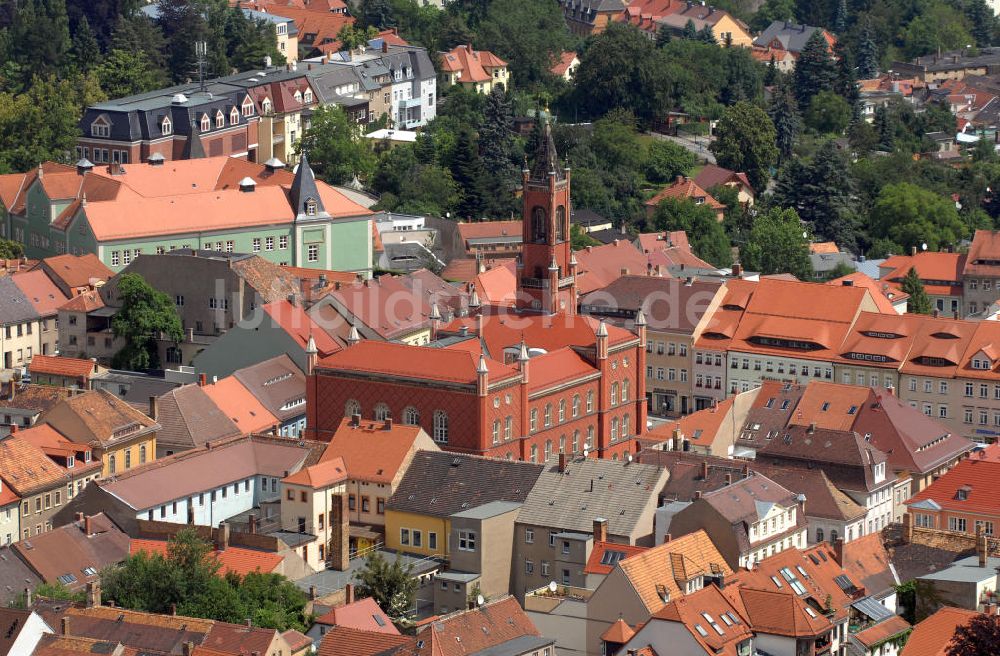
(58, 366)
(55, 444)
(341, 640)
(595, 564)
(711, 175)
(41, 292)
(563, 64)
(882, 631)
(619, 632)
(364, 615)
(469, 632)
(702, 613)
(321, 475)
(932, 636)
(472, 64)
(685, 188)
(240, 405)
(299, 326)
(232, 559)
(85, 302)
(884, 294)
(489, 229)
(941, 273)
(978, 480)
(700, 428)
(414, 362)
(78, 271)
(984, 251)
(651, 242)
(818, 247)
(26, 469)
(369, 451)
(599, 266)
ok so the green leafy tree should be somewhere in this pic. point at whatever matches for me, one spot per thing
(828, 113)
(938, 26)
(145, 313)
(337, 150)
(665, 160)
(919, 302)
(496, 148)
(866, 54)
(391, 585)
(815, 69)
(663, 36)
(784, 114)
(250, 42)
(579, 239)
(377, 13)
(770, 11)
(10, 250)
(910, 215)
(101, 15)
(743, 77)
(839, 24)
(708, 238)
(41, 123)
(127, 72)
(977, 637)
(139, 33)
(40, 38)
(982, 22)
(776, 245)
(824, 198)
(528, 34)
(745, 141)
(352, 37)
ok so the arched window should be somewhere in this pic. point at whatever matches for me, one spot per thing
(381, 412)
(220, 119)
(534, 419)
(234, 116)
(833, 535)
(819, 535)
(206, 124)
(307, 96)
(548, 449)
(167, 126)
(142, 454)
(576, 405)
(496, 431)
(128, 459)
(298, 96)
(625, 423)
(547, 418)
(352, 408)
(247, 106)
(614, 429)
(508, 427)
(624, 391)
(411, 416)
(265, 106)
(575, 446)
(561, 228)
(111, 464)
(539, 225)
(440, 426)
(562, 443)
(311, 206)
(562, 410)
(590, 437)
(614, 394)
(590, 401)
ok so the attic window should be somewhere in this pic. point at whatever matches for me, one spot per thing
(307, 96)
(310, 207)
(826, 406)
(100, 128)
(234, 116)
(777, 582)
(701, 630)
(206, 124)
(247, 106)
(853, 409)
(266, 106)
(962, 493)
(378, 620)
(611, 557)
(67, 579)
(981, 364)
(811, 612)
(770, 403)
(220, 119)
(784, 404)
(166, 127)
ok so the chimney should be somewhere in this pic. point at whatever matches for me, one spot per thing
(697, 494)
(704, 470)
(355, 420)
(562, 463)
(600, 529)
(88, 528)
(13, 428)
(202, 380)
(838, 551)
(937, 313)
(222, 536)
(737, 270)
(667, 537)
(812, 427)
(913, 251)
(173, 609)
(387, 424)
(312, 592)
(65, 625)
(79, 516)
(349, 593)
(93, 594)
(252, 523)
(188, 648)
(27, 597)
(385, 45)
(153, 407)
(729, 479)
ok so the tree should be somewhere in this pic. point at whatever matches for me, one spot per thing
(391, 585)
(745, 141)
(867, 54)
(337, 151)
(815, 69)
(828, 113)
(846, 84)
(11, 250)
(86, 51)
(910, 216)
(101, 15)
(708, 238)
(824, 193)
(663, 36)
(377, 13)
(468, 172)
(528, 34)
(40, 124)
(352, 37)
(776, 245)
(939, 26)
(665, 160)
(884, 130)
(977, 637)
(579, 239)
(919, 302)
(40, 37)
(689, 31)
(770, 11)
(705, 35)
(496, 148)
(127, 72)
(839, 25)
(145, 313)
(982, 21)
(140, 33)
(785, 117)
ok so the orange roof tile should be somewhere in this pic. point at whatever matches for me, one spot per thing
(497, 285)
(828, 405)
(882, 631)
(26, 469)
(712, 619)
(487, 229)
(564, 62)
(700, 428)
(978, 477)
(414, 362)
(471, 64)
(59, 366)
(85, 302)
(300, 326)
(818, 247)
(363, 614)
(78, 270)
(341, 640)
(619, 632)
(599, 266)
(884, 295)
(41, 292)
(685, 188)
(554, 368)
(596, 565)
(941, 273)
(55, 444)
(984, 251)
(650, 242)
(321, 475)
(240, 405)
(232, 559)
(932, 636)
(369, 451)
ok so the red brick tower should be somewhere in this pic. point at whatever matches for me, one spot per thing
(546, 279)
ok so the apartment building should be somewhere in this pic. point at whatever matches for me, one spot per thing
(29, 303)
(314, 503)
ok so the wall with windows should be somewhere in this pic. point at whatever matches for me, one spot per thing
(669, 378)
(10, 525)
(218, 504)
(127, 455)
(418, 534)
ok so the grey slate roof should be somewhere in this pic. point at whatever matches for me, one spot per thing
(439, 483)
(618, 491)
(304, 189)
(792, 36)
(274, 383)
(14, 305)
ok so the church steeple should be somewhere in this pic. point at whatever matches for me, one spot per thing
(304, 194)
(546, 275)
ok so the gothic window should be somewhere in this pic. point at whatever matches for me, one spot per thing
(440, 426)
(562, 229)
(234, 116)
(166, 127)
(352, 408)
(220, 119)
(411, 416)
(539, 225)
(206, 124)
(382, 412)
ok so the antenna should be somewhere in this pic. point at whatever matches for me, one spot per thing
(201, 51)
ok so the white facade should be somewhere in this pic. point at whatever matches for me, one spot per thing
(766, 537)
(26, 641)
(747, 370)
(209, 507)
(10, 527)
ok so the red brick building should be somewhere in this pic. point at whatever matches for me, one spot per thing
(520, 385)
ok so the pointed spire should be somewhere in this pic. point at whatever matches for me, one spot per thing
(194, 148)
(435, 312)
(546, 157)
(572, 258)
(602, 329)
(523, 356)
(304, 194)
(640, 318)
(311, 345)
(553, 265)
(474, 299)
(482, 369)
(353, 337)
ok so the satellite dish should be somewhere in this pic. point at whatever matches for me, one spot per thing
(923, 246)
(628, 457)
(480, 600)
(585, 453)
(552, 586)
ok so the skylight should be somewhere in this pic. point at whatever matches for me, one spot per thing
(852, 409)
(725, 618)
(612, 557)
(826, 406)
(701, 630)
(777, 582)
(811, 612)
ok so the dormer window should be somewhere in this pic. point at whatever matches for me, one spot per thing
(298, 96)
(234, 117)
(962, 493)
(978, 363)
(206, 124)
(310, 207)
(247, 106)
(87, 456)
(266, 106)
(70, 461)
(100, 128)
(167, 126)
(220, 119)
(307, 96)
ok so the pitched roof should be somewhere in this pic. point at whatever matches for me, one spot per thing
(492, 625)
(563, 63)
(69, 556)
(341, 640)
(661, 566)
(749, 499)
(882, 631)
(53, 644)
(15, 306)
(867, 561)
(12, 623)
(26, 468)
(188, 417)
(650, 242)
(619, 491)
(363, 614)
(85, 302)
(59, 366)
(667, 303)
(372, 451)
(40, 291)
(278, 384)
(941, 273)
(683, 188)
(712, 619)
(605, 555)
(55, 445)
(599, 266)
(619, 632)
(712, 175)
(471, 64)
(96, 416)
(232, 559)
(319, 476)
(971, 486)
(297, 323)
(440, 484)
(489, 230)
(152, 632)
(242, 407)
(37, 398)
(984, 254)
(885, 296)
(207, 467)
(932, 636)
(77, 271)
(789, 35)
(779, 612)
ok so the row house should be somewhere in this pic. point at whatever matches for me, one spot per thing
(29, 303)
(653, 16)
(963, 499)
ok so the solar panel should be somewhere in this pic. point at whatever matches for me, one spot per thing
(843, 582)
(872, 609)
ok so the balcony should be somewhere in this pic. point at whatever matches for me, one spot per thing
(543, 283)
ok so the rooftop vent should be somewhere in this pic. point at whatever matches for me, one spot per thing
(178, 99)
(247, 184)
